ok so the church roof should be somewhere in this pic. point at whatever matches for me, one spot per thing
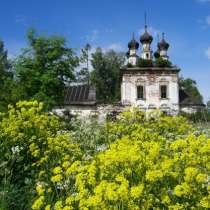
(152, 69)
(80, 95)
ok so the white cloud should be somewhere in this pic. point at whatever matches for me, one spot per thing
(203, 0)
(93, 36)
(21, 19)
(208, 53)
(114, 46)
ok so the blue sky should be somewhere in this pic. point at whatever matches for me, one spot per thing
(110, 23)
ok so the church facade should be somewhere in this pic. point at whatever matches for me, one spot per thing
(148, 85)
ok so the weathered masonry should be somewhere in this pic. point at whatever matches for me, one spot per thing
(151, 88)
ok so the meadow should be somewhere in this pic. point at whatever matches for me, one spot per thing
(133, 162)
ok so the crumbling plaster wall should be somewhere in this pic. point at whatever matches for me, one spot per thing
(151, 82)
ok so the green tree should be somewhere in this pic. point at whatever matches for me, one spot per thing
(83, 74)
(5, 77)
(208, 104)
(43, 69)
(106, 75)
(190, 87)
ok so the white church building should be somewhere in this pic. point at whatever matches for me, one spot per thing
(151, 87)
(145, 84)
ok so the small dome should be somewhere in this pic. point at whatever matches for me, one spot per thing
(127, 54)
(146, 37)
(163, 45)
(133, 44)
(157, 54)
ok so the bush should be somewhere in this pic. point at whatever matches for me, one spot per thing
(144, 63)
(199, 116)
(160, 62)
(31, 146)
(129, 65)
(154, 163)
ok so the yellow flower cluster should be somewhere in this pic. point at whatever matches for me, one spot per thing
(150, 162)
(142, 170)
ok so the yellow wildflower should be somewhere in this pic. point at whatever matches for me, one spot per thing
(183, 189)
(67, 208)
(137, 191)
(205, 202)
(190, 173)
(57, 178)
(154, 175)
(201, 178)
(58, 205)
(66, 164)
(40, 189)
(166, 199)
(48, 207)
(37, 205)
(57, 170)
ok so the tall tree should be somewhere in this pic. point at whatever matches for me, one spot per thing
(44, 67)
(208, 104)
(5, 77)
(83, 74)
(190, 87)
(106, 75)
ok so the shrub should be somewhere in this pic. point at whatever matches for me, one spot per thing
(199, 116)
(31, 146)
(160, 62)
(129, 65)
(154, 162)
(144, 63)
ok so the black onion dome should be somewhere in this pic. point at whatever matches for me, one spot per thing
(146, 37)
(133, 44)
(157, 54)
(127, 54)
(163, 45)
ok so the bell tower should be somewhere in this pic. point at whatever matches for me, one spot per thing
(133, 46)
(163, 48)
(146, 40)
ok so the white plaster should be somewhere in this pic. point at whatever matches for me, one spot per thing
(146, 51)
(152, 91)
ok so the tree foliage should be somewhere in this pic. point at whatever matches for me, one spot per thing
(144, 63)
(160, 62)
(190, 87)
(43, 68)
(5, 77)
(208, 104)
(106, 75)
(84, 75)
